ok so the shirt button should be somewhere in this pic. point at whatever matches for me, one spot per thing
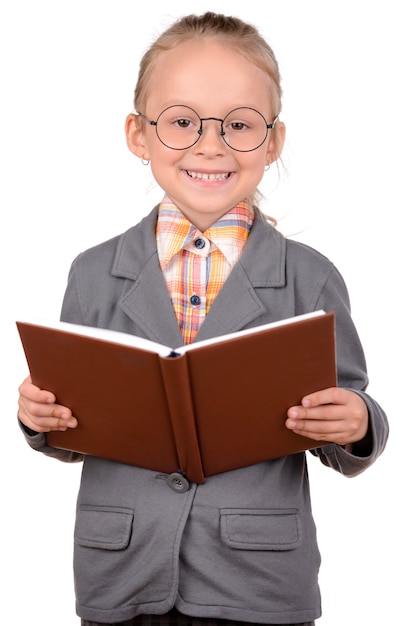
(200, 243)
(195, 300)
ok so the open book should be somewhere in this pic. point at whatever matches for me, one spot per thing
(201, 409)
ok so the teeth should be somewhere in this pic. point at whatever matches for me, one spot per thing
(202, 176)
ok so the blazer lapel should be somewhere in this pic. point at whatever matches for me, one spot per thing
(238, 305)
(147, 302)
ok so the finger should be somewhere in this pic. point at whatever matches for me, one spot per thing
(321, 430)
(44, 418)
(58, 417)
(30, 391)
(61, 418)
(61, 424)
(319, 424)
(43, 409)
(336, 427)
(321, 412)
(316, 422)
(331, 395)
(48, 424)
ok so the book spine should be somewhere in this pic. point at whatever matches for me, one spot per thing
(179, 399)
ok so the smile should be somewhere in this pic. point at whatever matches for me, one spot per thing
(203, 176)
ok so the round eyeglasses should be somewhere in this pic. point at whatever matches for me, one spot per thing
(179, 127)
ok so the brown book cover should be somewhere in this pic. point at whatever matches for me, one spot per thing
(201, 409)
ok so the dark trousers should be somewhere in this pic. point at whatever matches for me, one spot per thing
(174, 618)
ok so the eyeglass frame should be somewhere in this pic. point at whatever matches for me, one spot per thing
(207, 119)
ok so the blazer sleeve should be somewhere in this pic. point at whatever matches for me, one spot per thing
(352, 375)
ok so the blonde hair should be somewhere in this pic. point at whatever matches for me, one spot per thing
(232, 31)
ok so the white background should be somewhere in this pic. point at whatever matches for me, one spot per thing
(68, 181)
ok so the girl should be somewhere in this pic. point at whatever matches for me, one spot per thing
(241, 547)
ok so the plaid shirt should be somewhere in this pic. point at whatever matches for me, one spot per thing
(196, 264)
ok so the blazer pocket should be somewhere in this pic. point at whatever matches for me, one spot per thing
(105, 527)
(261, 529)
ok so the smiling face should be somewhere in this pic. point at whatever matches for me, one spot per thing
(209, 178)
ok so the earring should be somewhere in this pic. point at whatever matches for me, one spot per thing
(267, 167)
(145, 161)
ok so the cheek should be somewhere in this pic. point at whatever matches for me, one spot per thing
(159, 152)
(152, 144)
(164, 165)
(256, 165)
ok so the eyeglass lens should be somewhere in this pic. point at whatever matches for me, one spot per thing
(180, 127)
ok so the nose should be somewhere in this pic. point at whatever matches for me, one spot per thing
(211, 136)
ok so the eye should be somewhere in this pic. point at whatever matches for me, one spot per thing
(244, 121)
(178, 119)
(239, 126)
(183, 123)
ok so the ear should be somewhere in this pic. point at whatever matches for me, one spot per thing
(276, 143)
(135, 136)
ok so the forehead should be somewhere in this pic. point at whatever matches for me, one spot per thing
(209, 76)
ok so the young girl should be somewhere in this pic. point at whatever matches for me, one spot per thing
(242, 546)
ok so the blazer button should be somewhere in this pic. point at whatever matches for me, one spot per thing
(177, 482)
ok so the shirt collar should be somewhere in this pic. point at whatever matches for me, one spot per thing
(229, 234)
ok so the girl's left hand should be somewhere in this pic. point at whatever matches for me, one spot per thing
(335, 415)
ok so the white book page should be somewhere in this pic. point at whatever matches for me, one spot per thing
(248, 331)
(104, 334)
(114, 336)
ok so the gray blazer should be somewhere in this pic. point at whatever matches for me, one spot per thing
(242, 546)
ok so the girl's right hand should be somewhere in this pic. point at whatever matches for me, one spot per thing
(39, 411)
